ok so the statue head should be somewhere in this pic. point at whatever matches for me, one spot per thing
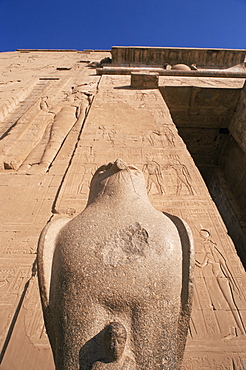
(117, 179)
(115, 340)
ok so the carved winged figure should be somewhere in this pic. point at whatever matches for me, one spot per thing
(116, 281)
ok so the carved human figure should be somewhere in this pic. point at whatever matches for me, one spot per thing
(116, 280)
(66, 113)
(115, 337)
(154, 174)
(84, 185)
(162, 137)
(226, 282)
(109, 135)
(44, 103)
(183, 176)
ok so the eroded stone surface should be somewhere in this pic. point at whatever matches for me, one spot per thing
(119, 261)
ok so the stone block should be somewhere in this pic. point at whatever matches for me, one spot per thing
(148, 80)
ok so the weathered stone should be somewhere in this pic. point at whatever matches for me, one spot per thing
(121, 279)
(203, 108)
(141, 80)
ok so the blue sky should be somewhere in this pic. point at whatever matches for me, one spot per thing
(94, 24)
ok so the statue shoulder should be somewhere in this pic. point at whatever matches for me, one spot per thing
(46, 248)
(188, 263)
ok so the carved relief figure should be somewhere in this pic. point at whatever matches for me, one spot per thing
(109, 135)
(84, 185)
(116, 281)
(182, 175)
(162, 137)
(154, 174)
(33, 319)
(66, 113)
(227, 285)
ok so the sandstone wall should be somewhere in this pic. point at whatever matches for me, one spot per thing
(112, 120)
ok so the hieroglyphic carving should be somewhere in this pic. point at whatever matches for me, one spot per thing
(147, 80)
(23, 136)
(182, 176)
(23, 248)
(116, 138)
(126, 246)
(154, 176)
(208, 363)
(84, 185)
(32, 194)
(108, 135)
(76, 186)
(65, 114)
(34, 323)
(13, 278)
(226, 284)
(162, 137)
(32, 126)
(131, 142)
(17, 242)
(26, 201)
(211, 315)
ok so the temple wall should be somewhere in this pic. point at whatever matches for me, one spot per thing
(108, 119)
